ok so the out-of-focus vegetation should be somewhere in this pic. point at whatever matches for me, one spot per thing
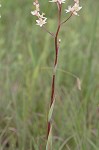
(25, 50)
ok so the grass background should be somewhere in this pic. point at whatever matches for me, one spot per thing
(25, 50)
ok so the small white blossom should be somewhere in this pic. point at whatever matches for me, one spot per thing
(37, 7)
(70, 9)
(35, 3)
(35, 13)
(58, 1)
(41, 21)
(73, 9)
(42, 16)
(76, 7)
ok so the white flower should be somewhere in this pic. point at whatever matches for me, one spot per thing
(74, 9)
(41, 21)
(35, 3)
(35, 13)
(70, 9)
(58, 1)
(37, 6)
(42, 16)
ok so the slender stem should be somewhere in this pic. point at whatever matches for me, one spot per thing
(56, 37)
(52, 34)
(57, 44)
(55, 65)
(66, 19)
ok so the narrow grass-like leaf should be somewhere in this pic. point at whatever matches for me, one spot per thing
(93, 145)
(51, 111)
(49, 141)
(78, 84)
(65, 142)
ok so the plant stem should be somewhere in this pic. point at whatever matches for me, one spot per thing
(66, 19)
(52, 101)
(52, 34)
(55, 65)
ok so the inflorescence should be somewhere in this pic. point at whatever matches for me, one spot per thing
(41, 17)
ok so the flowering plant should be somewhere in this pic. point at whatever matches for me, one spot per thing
(41, 21)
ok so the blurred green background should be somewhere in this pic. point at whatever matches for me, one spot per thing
(25, 86)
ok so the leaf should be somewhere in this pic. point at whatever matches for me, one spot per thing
(49, 141)
(78, 83)
(51, 111)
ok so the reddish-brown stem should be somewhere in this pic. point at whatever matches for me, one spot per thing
(56, 46)
(66, 19)
(56, 36)
(52, 34)
(55, 61)
(55, 64)
(53, 90)
(48, 128)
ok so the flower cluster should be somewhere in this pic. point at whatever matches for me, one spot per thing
(58, 1)
(74, 9)
(41, 19)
